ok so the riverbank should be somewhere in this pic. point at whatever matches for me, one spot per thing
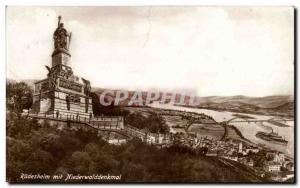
(247, 129)
(255, 111)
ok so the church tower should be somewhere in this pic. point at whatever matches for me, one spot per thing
(62, 93)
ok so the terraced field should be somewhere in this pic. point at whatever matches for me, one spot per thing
(176, 123)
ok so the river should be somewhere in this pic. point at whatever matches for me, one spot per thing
(248, 130)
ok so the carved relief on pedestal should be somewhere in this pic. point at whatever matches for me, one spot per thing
(70, 85)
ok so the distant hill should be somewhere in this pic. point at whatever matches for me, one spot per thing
(287, 107)
(262, 102)
(282, 105)
(271, 105)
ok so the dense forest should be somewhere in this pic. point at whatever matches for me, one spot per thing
(40, 148)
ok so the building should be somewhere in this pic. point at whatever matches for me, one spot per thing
(252, 149)
(271, 166)
(276, 156)
(279, 157)
(290, 166)
(212, 153)
(231, 157)
(62, 93)
(247, 161)
(240, 147)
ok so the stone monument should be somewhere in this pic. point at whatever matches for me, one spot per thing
(62, 93)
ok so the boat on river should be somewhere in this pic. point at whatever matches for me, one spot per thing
(271, 137)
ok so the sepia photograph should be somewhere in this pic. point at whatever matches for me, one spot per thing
(150, 94)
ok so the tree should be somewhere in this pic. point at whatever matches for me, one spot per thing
(18, 96)
(111, 110)
(154, 123)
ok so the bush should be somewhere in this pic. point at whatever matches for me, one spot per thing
(18, 96)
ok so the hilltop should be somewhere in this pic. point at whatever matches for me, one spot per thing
(261, 102)
(281, 105)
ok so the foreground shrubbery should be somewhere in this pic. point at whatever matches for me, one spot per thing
(35, 148)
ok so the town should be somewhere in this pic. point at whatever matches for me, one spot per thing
(66, 101)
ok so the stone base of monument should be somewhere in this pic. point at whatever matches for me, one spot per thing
(63, 98)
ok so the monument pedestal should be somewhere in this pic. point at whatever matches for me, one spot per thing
(62, 93)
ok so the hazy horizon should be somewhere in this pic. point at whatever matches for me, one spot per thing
(153, 90)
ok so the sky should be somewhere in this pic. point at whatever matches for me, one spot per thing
(213, 51)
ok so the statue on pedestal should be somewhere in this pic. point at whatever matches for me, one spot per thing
(61, 36)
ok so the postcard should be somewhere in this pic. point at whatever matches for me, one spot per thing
(150, 94)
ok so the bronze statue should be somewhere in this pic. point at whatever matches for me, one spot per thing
(49, 70)
(61, 36)
(53, 81)
(87, 87)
